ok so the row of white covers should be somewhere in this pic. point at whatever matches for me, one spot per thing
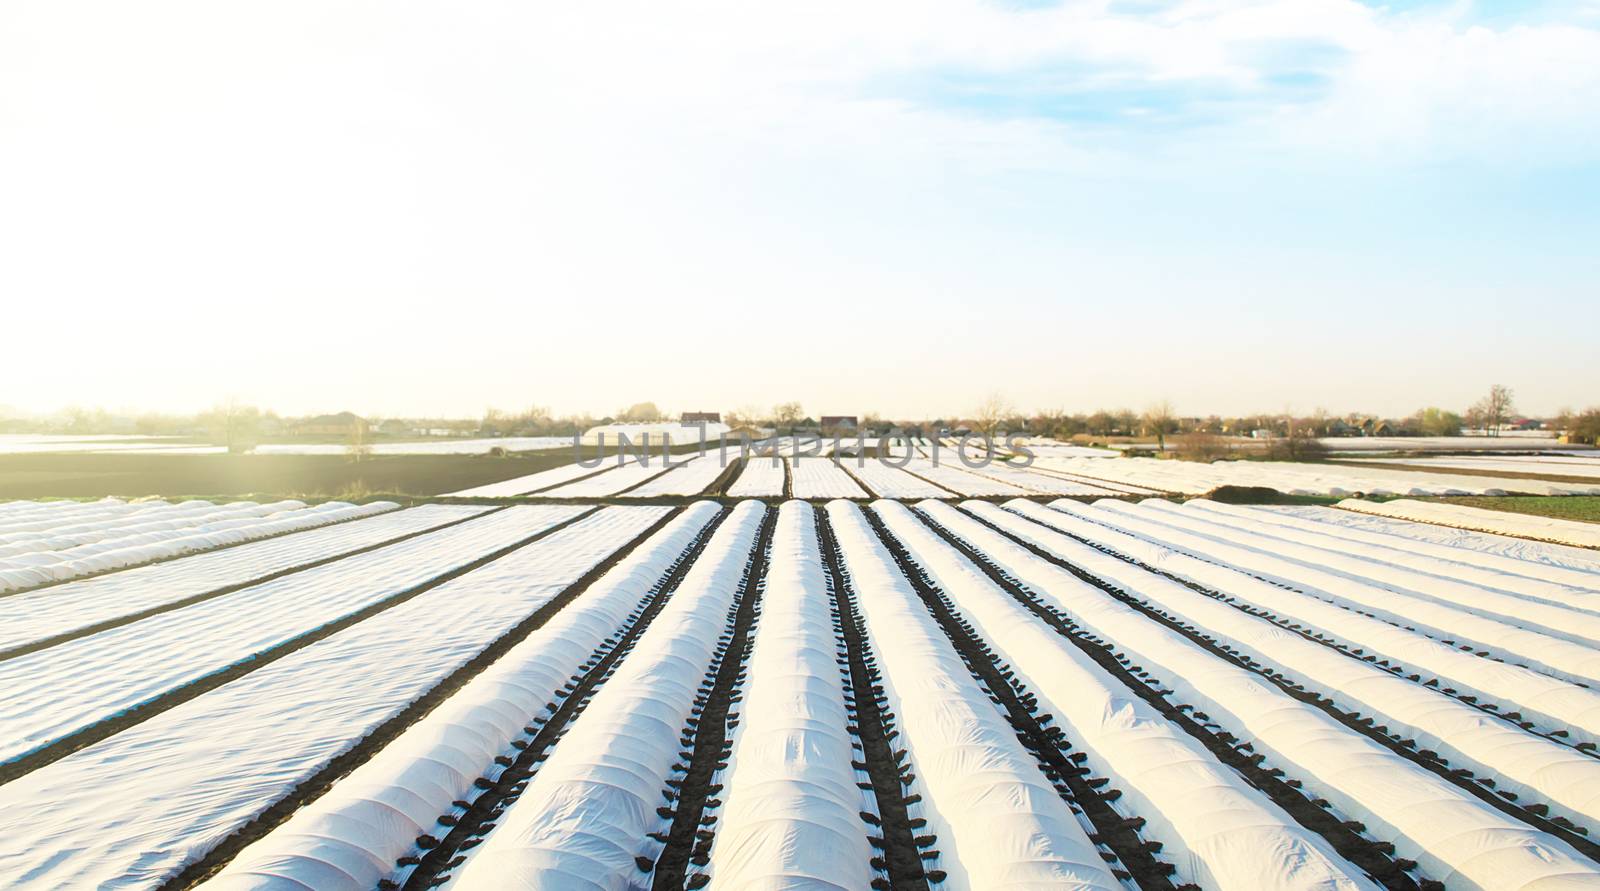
(1558, 704)
(186, 541)
(351, 837)
(1567, 532)
(585, 817)
(791, 818)
(997, 819)
(1456, 837)
(1535, 768)
(1218, 830)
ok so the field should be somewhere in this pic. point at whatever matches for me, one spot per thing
(1581, 508)
(136, 474)
(937, 694)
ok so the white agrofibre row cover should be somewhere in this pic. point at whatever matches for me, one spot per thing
(1452, 586)
(53, 692)
(792, 813)
(949, 473)
(1568, 532)
(88, 559)
(889, 481)
(1193, 478)
(586, 814)
(139, 806)
(1548, 465)
(814, 477)
(1544, 581)
(1457, 838)
(694, 477)
(1038, 483)
(1504, 639)
(1528, 765)
(761, 478)
(35, 615)
(533, 482)
(351, 837)
(997, 820)
(1218, 830)
(1427, 560)
(73, 544)
(1564, 563)
(132, 519)
(1556, 703)
(29, 516)
(629, 474)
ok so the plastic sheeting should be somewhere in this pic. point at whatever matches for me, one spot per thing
(1522, 763)
(1542, 580)
(791, 818)
(28, 570)
(814, 477)
(533, 482)
(351, 837)
(54, 692)
(996, 818)
(1038, 483)
(1444, 583)
(889, 481)
(1543, 555)
(949, 473)
(584, 816)
(1218, 830)
(1194, 478)
(1457, 838)
(154, 520)
(1555, 656)
(35, 615)
(631, 473)
(1533, 465)
(692, 478)
(135, 808)
(761, 477)
(1568, 532)
(1553, 702)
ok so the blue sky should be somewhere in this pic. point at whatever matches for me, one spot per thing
(896, 207)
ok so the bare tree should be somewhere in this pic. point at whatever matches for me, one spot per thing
(236, 424)
(641, 412)
(1495, 409)
(990, 413)
(357, 445)
(787, 414)
(1158, 419)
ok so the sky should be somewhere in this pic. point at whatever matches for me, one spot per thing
(409, 208)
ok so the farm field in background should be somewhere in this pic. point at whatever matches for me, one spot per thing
(408, 698)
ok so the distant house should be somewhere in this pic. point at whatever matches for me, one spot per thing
(1527, 424)
(342, 424)
(394, 427)
(701, 417)
(841, 424)
(1372, 426)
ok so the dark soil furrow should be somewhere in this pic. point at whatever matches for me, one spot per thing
(1366, 726)
(320, 782)
(130, 618)
(90, 735)
(1046, 742)
(901, 860)
(1372, 856)
(439, 855)
(686, 842)
(90, 575)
